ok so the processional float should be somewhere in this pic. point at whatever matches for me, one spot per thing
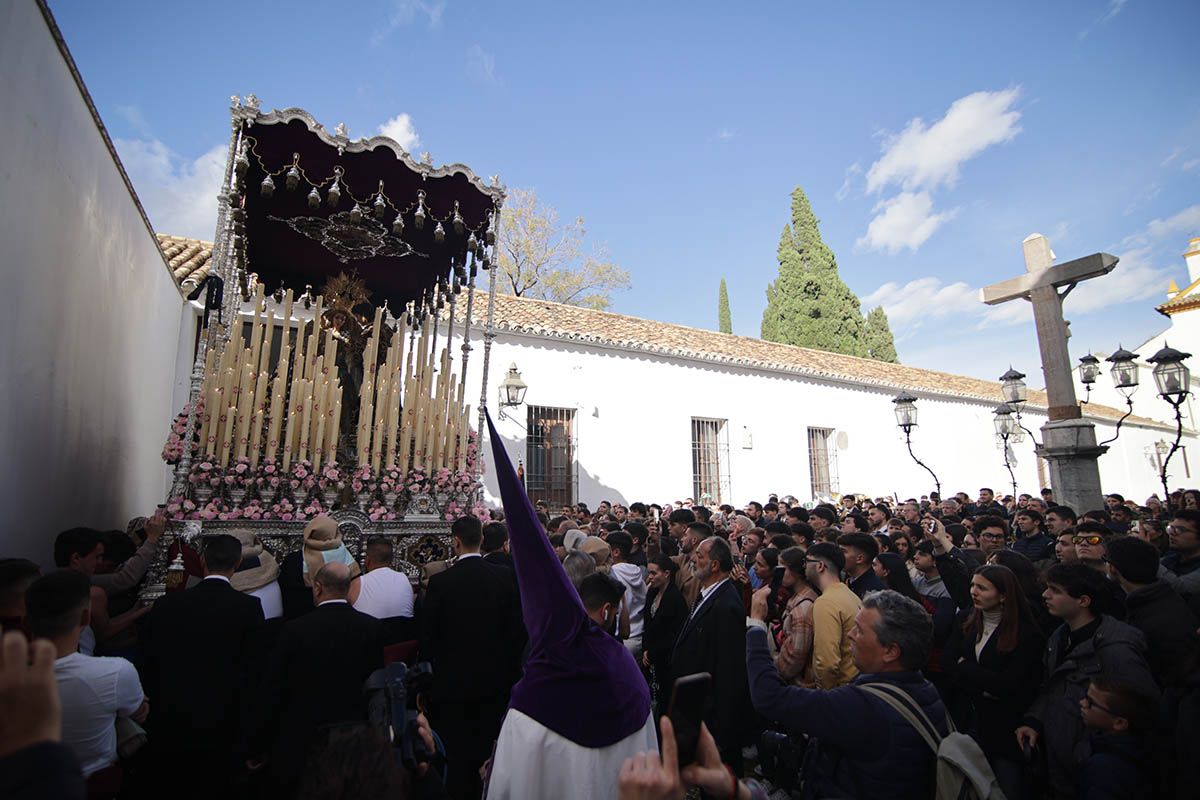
(319, 383)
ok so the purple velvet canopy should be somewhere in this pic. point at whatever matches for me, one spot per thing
(289, 243)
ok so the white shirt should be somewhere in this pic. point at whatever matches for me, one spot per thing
(635, 595)
(706, 593)
(271, 597)
(384, 593)
(95, 690)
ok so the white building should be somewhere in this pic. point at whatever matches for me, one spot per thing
(99, 339)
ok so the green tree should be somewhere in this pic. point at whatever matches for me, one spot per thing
(540, 258)
(809, 304)
(723, 319)
(878, 336)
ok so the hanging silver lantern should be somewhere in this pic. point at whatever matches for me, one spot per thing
(380, 206)
(268, 186)
(398, 225)
(356, 213)
(419, 216)
(335, 194)
(439, 233)
(490, 236)
(293, 174)
(458, 220)
(472, 242)
(314, 198)
(241, 163)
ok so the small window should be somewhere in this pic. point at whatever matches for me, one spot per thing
(710, 460)
(550, 455)
(822, 462)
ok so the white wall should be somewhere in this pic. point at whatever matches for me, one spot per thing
(91, 315)
(634, 435)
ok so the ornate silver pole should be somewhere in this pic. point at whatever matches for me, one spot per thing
(489, 334)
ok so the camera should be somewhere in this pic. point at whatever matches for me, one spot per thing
(392, 707)
(781, 757)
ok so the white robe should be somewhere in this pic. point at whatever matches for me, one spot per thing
(533, 762)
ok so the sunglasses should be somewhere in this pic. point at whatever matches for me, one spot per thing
(1090, 703)
(1092, 540)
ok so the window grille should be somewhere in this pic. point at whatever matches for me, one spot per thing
(550, 473)
(822, 462)
(710, 460)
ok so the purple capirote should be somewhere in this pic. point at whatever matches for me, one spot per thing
(579, 681)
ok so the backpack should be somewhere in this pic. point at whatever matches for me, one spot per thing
(963, 771)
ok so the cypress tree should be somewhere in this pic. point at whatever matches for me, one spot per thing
(878, 336)
(809, 304)
(723, 319)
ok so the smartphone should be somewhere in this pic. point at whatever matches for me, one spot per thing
(689, 699)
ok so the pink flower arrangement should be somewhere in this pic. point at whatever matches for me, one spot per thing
(391, 479)
(362, 479)
(172, 451)
(240, 475)
(311, 509)
(284, 510)
(417, 482)
(181, 508)
(331, 477)
(206, 472)
(268, 473)
(482, 512)
(254, 510)
(378, 512)
(302, 477)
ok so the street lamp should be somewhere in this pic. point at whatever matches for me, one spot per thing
(1015, 392)
(1173, 380)
(1089, 370)
(512, 388)
(1125, 377)
(906, 420)
(1007, 427)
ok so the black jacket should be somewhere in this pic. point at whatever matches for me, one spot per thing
(713, 640)
(867, 582)
(499, 559)
(313, 678)
(999, 686)
(200, 664)
(1120, 768)
(1172, 646)
(1114, 649)
(472, 634)
(661, 630)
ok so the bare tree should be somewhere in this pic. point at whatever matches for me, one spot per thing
(542, 259)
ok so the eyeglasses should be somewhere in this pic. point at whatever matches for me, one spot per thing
(993, 536)
(1175, 529)
(1090, 703)
(1092, 540)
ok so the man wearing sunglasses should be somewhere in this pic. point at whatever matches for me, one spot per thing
(1181, 565)
(1089, 544)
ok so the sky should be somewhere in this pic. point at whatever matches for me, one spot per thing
(931, 138)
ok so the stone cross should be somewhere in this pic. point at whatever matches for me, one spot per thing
(1069, 442)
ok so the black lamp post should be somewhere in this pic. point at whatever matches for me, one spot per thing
(906, 420)
(1125, 377)
(1173, 380)
(1007, 427)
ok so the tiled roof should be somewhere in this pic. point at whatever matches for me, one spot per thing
(190, 259)
(556, 321)
(1187, 299)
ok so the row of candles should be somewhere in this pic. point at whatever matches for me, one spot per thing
(409, 412)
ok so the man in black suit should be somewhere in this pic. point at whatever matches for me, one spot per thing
(200, 663)
(495, 545)
(313, 679)
(471, 633)
(713, 640)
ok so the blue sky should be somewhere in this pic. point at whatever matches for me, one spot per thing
(931, 138)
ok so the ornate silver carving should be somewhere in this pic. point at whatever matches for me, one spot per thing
(349, 240)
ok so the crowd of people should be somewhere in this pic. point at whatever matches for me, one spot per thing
(845, 642)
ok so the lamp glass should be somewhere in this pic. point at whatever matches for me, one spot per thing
(1173, 378)
(906, 415)
(512, 388)
(1014, 390)
(1125, 374)
(1088, 373)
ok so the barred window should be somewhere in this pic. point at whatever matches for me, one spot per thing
(710, 460)
(550, 456)
(822, 462)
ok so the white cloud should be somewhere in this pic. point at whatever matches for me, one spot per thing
(481, 65)
(906, 220)
(1188, 166)
(1135, 278)
(724, 135)
(852, 172)
(928, 156)
(1111, 10)
(908, 306)
(179, 195)
(404, 12)
(400, 128)
(1174, 154)
(1184, 223)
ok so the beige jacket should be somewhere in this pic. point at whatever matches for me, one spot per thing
(833, 618)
